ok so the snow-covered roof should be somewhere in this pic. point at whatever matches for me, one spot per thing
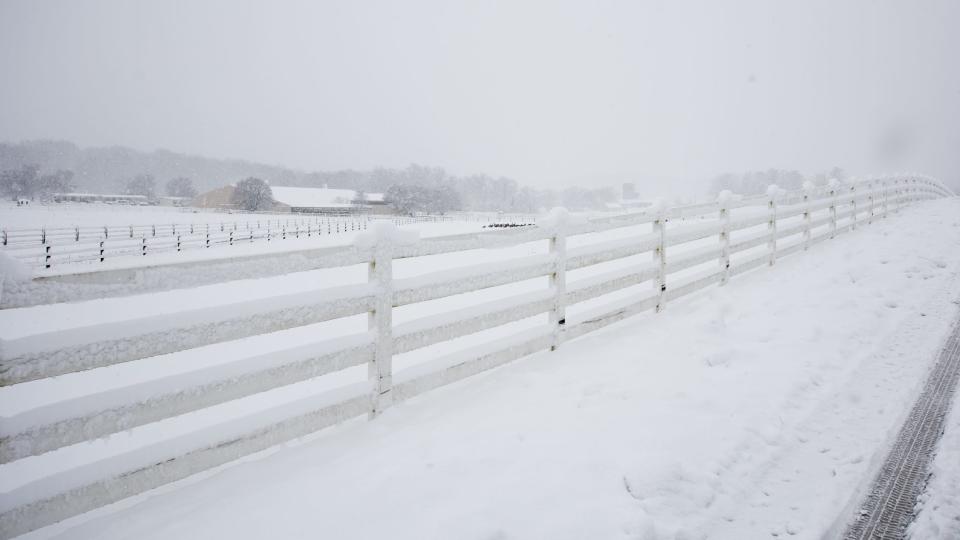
(305, 197)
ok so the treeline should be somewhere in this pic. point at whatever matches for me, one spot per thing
(27, 182)
(756, 182)
(123, 170)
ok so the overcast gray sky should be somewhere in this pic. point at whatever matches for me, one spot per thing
(549, 93)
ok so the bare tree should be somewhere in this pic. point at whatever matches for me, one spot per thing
(19, 183)
(180, 186)
(253, 194)
(142, 184)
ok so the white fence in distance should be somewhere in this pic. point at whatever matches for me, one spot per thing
(750, 233)
(52, 247)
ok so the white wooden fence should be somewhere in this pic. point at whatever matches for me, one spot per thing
(749, 233)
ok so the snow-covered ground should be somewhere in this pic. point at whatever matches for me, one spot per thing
(939, 506)
(752, 410)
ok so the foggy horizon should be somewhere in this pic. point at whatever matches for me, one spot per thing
(667, 95)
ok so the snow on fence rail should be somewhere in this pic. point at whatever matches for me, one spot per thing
(50, 247)
(766, 228)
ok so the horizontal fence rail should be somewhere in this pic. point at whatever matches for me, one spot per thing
(729, 237)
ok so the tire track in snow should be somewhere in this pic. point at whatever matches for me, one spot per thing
(794, 487)
(889, 506)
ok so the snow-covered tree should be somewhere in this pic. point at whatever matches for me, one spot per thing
(27, 183)
(142, 184)
(253, 194)
(180, 186)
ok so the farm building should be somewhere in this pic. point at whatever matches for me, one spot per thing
(326, 200)
(302, 200)
(100, 198)
(222, 197)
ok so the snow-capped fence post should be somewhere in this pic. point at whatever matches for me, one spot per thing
(46, 259)
(895, 191)
(724, 201)
(772, 192)
(559, 218)
(883, 195)
(833, 207)
(144, 246)
(380, 319)
(178, 243)
(807, 190)
(101, 251)
(853, 204)
(659, 210)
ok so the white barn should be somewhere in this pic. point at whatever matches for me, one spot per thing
(325, 200)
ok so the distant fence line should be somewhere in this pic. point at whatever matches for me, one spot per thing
(47, 247)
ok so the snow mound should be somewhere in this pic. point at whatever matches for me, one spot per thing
(384, 233)
(12, 270)
(725, 197)
(558, 218)
(657, 207)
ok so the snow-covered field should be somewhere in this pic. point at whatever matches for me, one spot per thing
(751, 410)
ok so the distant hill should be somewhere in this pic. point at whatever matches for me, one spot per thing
(107, 169)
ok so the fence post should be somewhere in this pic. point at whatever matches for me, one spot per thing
(853, 204)
(660, 253)
(46, 259)
(178, 242)
(76, 234)
(5, 240)
(833, 208)
(231, 238)
(772, 192)
(43, 236)
(807, 188)
(144, 249)
(896, 195)
(380, 322)
(883, 195)
(558, 278)
(101, 251)
(724, 201)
